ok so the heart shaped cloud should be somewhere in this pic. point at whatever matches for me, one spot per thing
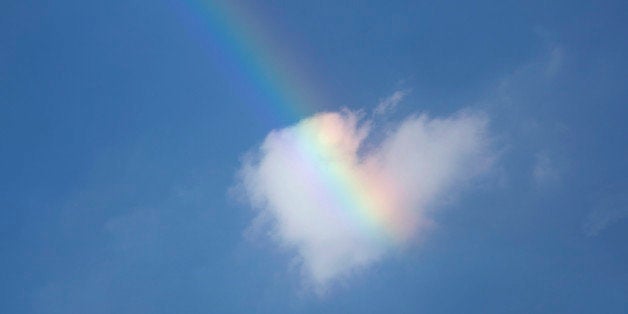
(341, 191)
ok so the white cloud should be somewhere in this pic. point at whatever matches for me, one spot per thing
(544, 171)
(555, 61)
(390, 103)
(340, 202)
(610, 208)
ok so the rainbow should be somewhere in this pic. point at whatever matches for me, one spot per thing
(366, 195)
(250, 56)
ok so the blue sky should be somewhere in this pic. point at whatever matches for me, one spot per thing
(124, 142)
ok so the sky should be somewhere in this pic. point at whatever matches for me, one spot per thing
(313, 157)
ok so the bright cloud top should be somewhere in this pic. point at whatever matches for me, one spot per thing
(341, 201)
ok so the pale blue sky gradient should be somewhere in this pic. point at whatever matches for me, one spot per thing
(120, 136)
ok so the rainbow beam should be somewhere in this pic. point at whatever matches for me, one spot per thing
(249, 55)
(363, 198)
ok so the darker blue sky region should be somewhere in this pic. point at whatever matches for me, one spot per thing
(121, 133)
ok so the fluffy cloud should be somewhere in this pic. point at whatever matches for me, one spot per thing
(544, 171)
(340, 191)
(388, 104)
(610, 208)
